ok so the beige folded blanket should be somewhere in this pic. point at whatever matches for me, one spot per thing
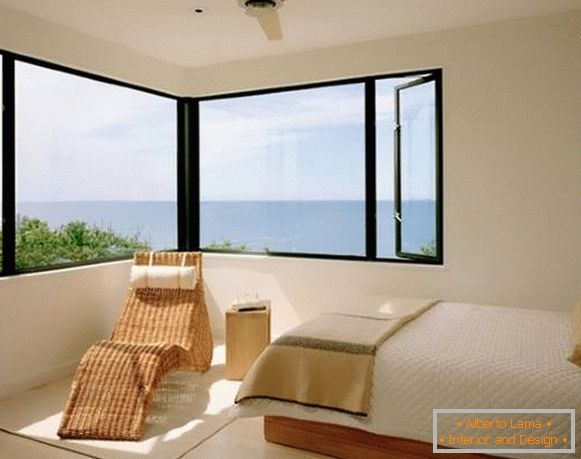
(328, 362)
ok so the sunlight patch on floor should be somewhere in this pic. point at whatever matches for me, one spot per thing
(188, 408)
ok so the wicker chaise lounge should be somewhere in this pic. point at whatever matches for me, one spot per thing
(160, 330)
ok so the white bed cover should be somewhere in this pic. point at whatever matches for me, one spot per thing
(460, 355)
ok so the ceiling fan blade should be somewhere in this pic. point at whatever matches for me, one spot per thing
(270, 23)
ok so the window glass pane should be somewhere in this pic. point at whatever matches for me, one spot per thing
(418, 169)
(96, 169)
(385, 122)
(284, 172)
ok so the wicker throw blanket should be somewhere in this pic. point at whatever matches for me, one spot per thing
(328, 362)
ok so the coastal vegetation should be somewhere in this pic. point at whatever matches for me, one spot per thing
(227, 244)
(429, 249)
(37, 244)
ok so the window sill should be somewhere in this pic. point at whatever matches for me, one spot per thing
(53, 270)
(299, 258)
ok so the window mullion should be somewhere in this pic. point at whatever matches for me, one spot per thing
(182, 175)
(188, 175)
(370, 171)
(8, 166)
(194, 174)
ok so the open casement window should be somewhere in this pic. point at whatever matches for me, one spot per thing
(416, 164)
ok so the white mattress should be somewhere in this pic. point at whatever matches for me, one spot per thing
(460, 356)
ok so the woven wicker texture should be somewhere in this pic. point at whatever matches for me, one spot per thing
(159, 331)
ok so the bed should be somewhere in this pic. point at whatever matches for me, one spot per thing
(455, 355)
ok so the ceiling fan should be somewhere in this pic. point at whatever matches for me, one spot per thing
(266, 12)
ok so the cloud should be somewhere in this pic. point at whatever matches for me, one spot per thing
(249, 127)
(79, 139)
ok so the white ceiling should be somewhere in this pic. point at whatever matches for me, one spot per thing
(171, 31)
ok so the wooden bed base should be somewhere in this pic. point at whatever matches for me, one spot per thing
(346, 442)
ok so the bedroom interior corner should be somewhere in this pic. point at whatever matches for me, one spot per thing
(510, 213)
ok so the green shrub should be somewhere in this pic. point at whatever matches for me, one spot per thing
(429, 249)
(37, 244)
(226, 244)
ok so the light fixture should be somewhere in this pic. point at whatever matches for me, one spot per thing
(266, 12)
(260, 5)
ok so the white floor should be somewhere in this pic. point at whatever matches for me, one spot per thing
(189, 420)
(241, 439)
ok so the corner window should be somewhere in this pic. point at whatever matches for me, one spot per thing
(94, 169)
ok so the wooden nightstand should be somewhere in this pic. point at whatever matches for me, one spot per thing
(247, 334)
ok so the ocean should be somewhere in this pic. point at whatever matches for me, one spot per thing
(324, 227)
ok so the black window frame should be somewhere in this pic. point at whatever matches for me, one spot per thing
(188, 165)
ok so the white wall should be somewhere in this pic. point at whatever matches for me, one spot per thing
(512, 165)
(47, 320)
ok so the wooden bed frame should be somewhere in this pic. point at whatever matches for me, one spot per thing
(346, 442)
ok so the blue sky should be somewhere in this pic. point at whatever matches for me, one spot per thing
(305, 145)
(292, 146)
(83, 140)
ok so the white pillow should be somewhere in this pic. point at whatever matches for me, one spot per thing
(188, 277)
(160, 276)
(138, 276)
